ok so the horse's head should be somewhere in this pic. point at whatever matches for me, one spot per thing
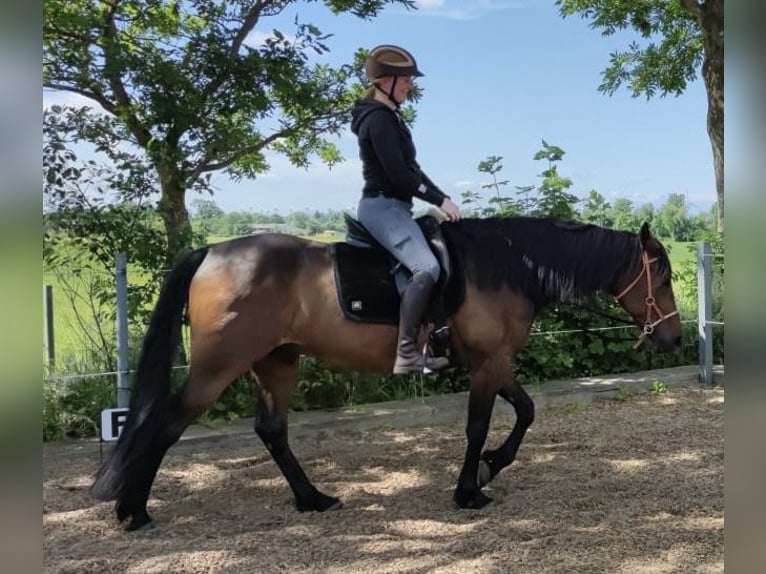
(645, 292)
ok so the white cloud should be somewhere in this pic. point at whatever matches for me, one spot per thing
(464, 10)
(286, 188)
(317, 172)
(429, 4)
(62, 98)
(257, 38)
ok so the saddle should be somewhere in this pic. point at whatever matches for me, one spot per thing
(370, 280)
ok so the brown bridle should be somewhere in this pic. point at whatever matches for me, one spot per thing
(651, 304)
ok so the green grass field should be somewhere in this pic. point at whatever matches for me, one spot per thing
(680, 252)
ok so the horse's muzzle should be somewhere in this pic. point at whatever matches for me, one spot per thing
(666, 343)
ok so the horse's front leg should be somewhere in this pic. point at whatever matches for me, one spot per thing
(493, 461)
(481, 399)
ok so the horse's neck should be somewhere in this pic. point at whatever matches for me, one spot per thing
(571, 268)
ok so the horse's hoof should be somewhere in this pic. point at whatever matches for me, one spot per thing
(485, 473)
(141, 521)
(319, 503)
(121, 512)
(471, 500)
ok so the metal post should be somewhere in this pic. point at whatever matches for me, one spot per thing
(705, 312)
(50, 342)
(123, 386)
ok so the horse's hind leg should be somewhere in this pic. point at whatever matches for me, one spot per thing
(200, 391)
(132, 501)
(493, 461)
(278, 376)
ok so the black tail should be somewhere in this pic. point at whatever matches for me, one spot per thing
(151, 395)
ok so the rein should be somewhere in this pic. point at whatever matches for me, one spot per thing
(651, 304)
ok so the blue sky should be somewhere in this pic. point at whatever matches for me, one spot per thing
(501, 75)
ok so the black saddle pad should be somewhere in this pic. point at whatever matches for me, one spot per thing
(365, 281)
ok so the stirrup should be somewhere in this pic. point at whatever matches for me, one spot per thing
(439, 341)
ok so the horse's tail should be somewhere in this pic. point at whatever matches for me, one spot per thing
(151, 395)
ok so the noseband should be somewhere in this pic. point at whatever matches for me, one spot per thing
(651, 304)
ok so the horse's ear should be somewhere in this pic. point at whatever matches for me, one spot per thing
(645, 234)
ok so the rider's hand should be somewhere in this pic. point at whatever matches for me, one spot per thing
(452, 210)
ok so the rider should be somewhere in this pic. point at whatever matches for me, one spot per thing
(392, 178)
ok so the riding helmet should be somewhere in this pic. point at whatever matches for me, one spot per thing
(390, 60)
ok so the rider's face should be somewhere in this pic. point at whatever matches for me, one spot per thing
(401, 89)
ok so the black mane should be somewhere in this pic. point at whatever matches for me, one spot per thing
(544, 258)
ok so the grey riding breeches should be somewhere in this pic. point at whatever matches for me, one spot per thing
(390, 222)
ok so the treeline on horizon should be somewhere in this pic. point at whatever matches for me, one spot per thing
(672, 220)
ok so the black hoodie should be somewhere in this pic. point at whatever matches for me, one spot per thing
(388, 155)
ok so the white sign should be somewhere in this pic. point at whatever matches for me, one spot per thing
(112, 421)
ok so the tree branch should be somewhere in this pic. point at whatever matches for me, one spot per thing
(693, 7)
(112, 73)
(95, 96)
(51, 31)
(249, 22)
(204, 166)
(251, 19)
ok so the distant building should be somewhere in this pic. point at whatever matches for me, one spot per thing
(273, 228)
(256, 229)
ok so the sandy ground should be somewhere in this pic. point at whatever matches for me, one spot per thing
(614, 487)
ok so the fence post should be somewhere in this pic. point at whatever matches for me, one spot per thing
(50, 342)
(705, 312)
(123, 385)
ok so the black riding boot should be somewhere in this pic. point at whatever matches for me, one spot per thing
(415, 300)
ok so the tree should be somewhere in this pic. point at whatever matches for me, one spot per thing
(646, 213)
(552, 199)
(206, 209)
(596, 209)
(180, 82)
(85, 228)
(499, 204)
(681, 35)
(623, 215)
(237, 223)
(673, 218)
(207, 214)
(492, 166)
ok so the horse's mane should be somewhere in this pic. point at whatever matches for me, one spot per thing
(544, 258)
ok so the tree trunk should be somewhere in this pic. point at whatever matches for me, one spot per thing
(172, 209)
(712, 73)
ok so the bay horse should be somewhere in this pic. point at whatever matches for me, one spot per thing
(259, 302)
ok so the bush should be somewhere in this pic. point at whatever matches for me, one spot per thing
(72, 409)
